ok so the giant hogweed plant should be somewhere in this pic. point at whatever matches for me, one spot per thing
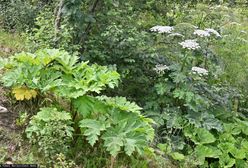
(190, 104)
(112, 123)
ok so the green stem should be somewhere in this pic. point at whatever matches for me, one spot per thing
(184, 61)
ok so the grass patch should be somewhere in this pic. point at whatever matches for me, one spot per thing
(10, 43)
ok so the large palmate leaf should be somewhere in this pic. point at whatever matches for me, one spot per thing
(68, 78)
(86, 79)
(226, 161)
(66, 62)
(125, 135)
(202, 152)
(143, 124)
(243, 125)
(232, 128)
(93, 129)
(121, 103)
(113, 143)
(227, 137)
(199, 135)
(226, 146)
(87, 106)
(205, 120)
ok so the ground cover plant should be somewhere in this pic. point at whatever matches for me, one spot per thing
(124, 83)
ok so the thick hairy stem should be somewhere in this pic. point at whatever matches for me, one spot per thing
(184, 61)
(112, 160)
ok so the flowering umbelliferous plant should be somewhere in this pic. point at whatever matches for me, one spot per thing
(187, 96)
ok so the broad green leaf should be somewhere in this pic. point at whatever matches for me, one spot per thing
(238, 153)
(87, 106)
(227, 137)
(93, 129)
(226, 147)
(226, 161)
(204, 137)
(241, 163)
(243, 125)
(128, 134)
(200, 136)
(134, 142)
(202, 152)
(244, 144)
(177, 156)
(113, 144)
(121, 103)
(232, 128)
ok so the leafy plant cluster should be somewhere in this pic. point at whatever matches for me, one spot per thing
(17, 15)
(193, 109)
(112, 123)
(189, 76)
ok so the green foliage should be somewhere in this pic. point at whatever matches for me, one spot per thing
(110, 123)
(56, 70)
(18, 15)
(118, 126)
(200, 136)
(61, 161)
(194, 90)
(93, 130)
(193, 108)
(121, 103)
(44, 35)
(51, 131)
(10, 43)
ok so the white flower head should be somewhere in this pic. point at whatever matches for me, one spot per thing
(235, 23)
(176, 35)
(159, 68)
(195, 27)
(200, 71)
(242, 31)
(201, 33)
(212, 31)
(190, 44)
(162, 29)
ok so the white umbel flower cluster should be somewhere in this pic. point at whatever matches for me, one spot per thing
(206, 33)
(159, 68)
(190, 44)
(212, 31)
(162, 29)
(176, 34)
(201, 33)
(200, 71)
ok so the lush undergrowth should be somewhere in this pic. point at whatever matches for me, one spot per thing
(124, 84)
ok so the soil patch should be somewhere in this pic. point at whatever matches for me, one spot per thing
(7, 120)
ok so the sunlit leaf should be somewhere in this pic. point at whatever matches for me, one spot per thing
(22, 93)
